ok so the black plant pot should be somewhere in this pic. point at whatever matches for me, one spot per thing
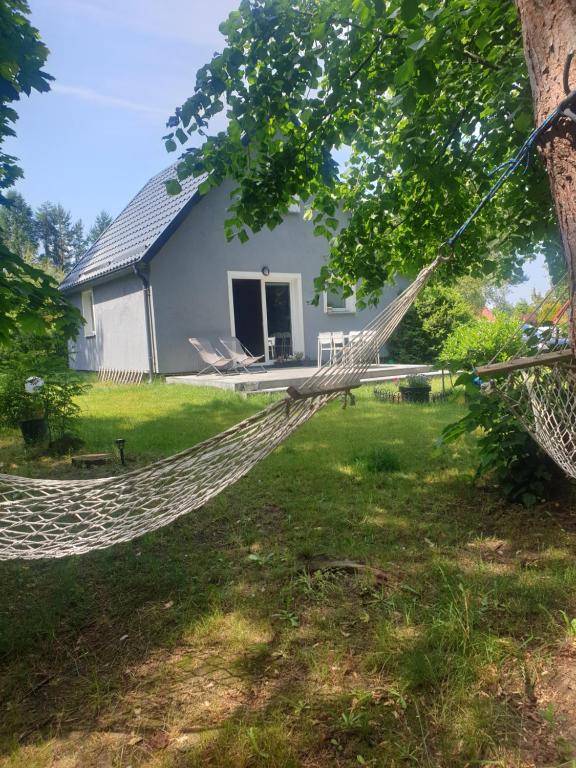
(34, 430)
(415, 394)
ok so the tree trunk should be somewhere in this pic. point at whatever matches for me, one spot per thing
(549, 34)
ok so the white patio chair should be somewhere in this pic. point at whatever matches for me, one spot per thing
(338, 342)
(324, 345)
(214, 360)
(239, 355)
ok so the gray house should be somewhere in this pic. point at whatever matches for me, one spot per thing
(163, 272)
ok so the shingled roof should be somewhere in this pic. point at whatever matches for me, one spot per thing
(138, 232)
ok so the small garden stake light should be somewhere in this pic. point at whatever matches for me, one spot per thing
(120, 443)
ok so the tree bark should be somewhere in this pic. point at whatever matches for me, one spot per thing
(549, 35)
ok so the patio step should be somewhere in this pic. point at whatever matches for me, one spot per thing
(278, 380)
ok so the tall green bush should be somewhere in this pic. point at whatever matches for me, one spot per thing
(507, 453)
(436, 313)
(481, 341)
(43, 356)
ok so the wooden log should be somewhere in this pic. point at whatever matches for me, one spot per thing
(519, 363)
(91, 459)
(347, 566)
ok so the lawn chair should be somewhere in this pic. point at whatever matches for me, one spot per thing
(214, 360)
(239, 355)
(324, 345)
(338, 343)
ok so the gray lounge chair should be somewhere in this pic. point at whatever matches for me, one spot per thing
(214, 360)
(240, 356)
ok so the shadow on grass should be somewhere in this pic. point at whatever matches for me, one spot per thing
(210, 626)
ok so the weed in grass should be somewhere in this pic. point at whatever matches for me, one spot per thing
(261, 558)
(379, 460)
(569, 624)
(548, 713)
(288, 617)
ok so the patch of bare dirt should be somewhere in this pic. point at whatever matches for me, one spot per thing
(556, 691)
(500, 554)
(542, 704)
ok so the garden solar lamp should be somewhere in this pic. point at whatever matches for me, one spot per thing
(120, 443)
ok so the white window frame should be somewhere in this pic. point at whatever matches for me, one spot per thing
(349, 307)
(87, 300)
(294, 279)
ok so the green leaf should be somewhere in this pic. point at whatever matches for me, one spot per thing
(409, 9)
(173, 187)
(524, 122)
(170, 145)
(483, 38)
(405, 71)
(205, 187)
(417, 44)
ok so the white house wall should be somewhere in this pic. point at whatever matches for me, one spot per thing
(120, 332)
(189, 278)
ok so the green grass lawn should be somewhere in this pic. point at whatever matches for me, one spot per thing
(209, 643)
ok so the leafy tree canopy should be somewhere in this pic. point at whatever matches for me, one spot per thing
(22, 57)
(428, 97)
(29, 298)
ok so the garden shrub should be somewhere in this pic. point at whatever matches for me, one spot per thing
(480, 341)
(507, 452)
(43, 356)
(523, 471)
(55, 400)
(435, 314)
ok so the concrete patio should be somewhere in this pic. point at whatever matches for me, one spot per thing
(279, 379)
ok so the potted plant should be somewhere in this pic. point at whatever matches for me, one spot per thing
(22, 408)
(416, 389)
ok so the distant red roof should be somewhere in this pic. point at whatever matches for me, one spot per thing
(487, 314)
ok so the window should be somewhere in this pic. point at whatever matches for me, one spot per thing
(335, 303)
(88, 313)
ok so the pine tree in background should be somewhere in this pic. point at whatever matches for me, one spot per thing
(62, 242)
(102, 222)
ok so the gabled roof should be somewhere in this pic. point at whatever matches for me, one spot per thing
(139, 231)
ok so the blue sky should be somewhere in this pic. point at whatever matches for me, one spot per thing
(121, 67)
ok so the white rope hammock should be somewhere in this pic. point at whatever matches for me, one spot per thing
(544, 401)
(541, 393)
(54, 518)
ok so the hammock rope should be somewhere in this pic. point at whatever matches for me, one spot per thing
(543, 399)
